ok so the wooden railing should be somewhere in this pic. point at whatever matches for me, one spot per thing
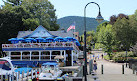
(40, 45)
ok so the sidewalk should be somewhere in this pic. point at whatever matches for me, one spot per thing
(112, 71)
(112, 68)
(117, 77)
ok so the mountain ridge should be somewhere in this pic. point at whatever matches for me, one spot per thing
(65, 22)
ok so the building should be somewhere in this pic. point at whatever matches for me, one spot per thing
(42, 45)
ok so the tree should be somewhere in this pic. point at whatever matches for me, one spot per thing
(114, 18)
(10, 24)
(44, 11)
(34, 13)
(101, 25)
(134, 49)
(125, 32)
(106, 38)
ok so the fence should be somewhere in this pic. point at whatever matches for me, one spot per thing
(21, 76)
(33, 74)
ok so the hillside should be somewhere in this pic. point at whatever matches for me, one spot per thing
(65, 22)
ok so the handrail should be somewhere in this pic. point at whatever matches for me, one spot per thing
(40, 45)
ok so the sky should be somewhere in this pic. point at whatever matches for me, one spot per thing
(108, 7)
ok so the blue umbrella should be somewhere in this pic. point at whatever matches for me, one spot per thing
(50, 39)
(75, 39)
(77, 43)
(44, 40)
(21, 39)
(30, 40)
(65, 40)
(39, 39)
(60, 39)
(13, 40)
(69, 38)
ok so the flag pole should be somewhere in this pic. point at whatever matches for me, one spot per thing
(74, 29)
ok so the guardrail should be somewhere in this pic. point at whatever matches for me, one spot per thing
(41, 45)
(38, 45)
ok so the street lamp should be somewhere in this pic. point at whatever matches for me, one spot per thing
(99, 18)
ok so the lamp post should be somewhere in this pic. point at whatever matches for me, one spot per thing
(98, 18)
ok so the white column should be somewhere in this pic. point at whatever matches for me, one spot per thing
(39, 55)
(10, 54)
(30, 55)
(21, 55)
(72, 57)
(50, 54)
(61, 52)
(65, 55)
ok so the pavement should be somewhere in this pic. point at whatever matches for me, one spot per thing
(112, 71)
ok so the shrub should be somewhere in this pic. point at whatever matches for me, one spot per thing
(121, 56)
(106, 57)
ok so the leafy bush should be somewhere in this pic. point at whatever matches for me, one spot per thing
(121, 56)
(106, 57)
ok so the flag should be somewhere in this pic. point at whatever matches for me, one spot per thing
(71, 27)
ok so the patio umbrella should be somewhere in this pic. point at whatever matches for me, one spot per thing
(50, 39)
(77, 43)
(39, 39)
(59, 39)
(30, 40)
(21, 39)
(74, 39)
(13, 40)
(69, 38)
(44, 40)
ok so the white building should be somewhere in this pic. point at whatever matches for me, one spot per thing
(33, 46)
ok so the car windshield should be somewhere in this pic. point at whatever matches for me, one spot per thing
(5, 65)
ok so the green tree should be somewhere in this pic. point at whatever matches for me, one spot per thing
(34, 13)
(106, 38)
(125, 31)
(10, 24)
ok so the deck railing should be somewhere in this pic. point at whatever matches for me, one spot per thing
(40, 45)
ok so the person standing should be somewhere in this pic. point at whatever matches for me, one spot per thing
(93, 56)
(98, 56)
(95, 66)
(102, 56)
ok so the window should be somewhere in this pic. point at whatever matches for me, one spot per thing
(5, 65)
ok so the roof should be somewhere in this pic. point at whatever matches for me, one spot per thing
(40, 31)
(23, 33)
(62, 34)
